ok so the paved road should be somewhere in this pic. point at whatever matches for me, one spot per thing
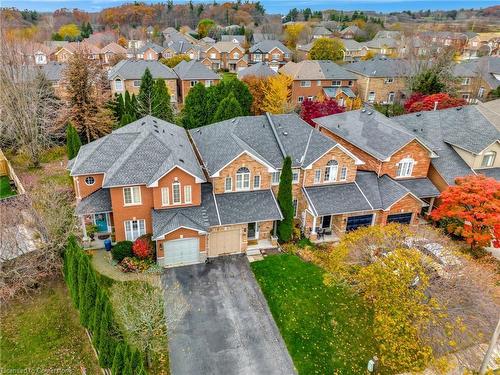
(228, 328)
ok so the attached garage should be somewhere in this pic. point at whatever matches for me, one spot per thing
(400, 218)
(224, 242)
(180, 252)
(354, 222)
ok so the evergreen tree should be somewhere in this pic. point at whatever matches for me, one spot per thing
(96, 314)
(117, 106)
(285, 201)
(214, 95)
(105, 338)
(130, 105)
(126, 119)
(82, 280)
(162, 107)
(241, 93)
(73, 142)
(146, 94)
(194, 113)
(227, 109)
(118, 360)
(87, 312)
(73, 269)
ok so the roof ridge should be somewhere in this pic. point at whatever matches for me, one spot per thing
(273, 128)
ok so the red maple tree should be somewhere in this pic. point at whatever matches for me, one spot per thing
(419, 102)
(471, 210)
(142, 247)
(311, 109)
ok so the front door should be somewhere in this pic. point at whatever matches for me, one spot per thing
(326, 222)
(101, 222)
(252, 231)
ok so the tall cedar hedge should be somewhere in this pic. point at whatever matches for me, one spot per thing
(285, 201)
(73, 141)
(92, 301)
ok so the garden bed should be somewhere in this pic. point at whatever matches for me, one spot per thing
(327, 329)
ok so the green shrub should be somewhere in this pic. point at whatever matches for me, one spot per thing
(122, 250)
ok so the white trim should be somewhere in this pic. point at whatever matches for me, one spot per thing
(277, 205)
(357, 161)
(216, 207)
(155, 183)
(480, 153)
(404, 196)
(190, 189)
(162, 237)
(269, 167)
(309, 201)
(125, 204)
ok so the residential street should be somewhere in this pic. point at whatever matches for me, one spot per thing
(228, 328)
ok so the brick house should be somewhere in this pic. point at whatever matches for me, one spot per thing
(64, 53)
(381, 79)
(272, 52)
(127, 75)
(477, 77)
(193, 72)
(112, 51)
(54, 72)
(226, 56)
(181, 47)
(148, 51)
(383, 46)
(313, 79)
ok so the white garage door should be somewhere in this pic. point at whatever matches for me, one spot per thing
(182, 251)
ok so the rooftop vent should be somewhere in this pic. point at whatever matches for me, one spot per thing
(419, 114)
(415, 130)
(181, 160)
(198, 130)
(285, 133)
(143, 123)
(155, 121)
(338, 126)
(156, 126)
(157, 131)
(459, 108)
(181, 145)
(163, 130)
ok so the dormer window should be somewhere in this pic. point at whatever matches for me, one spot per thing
(331, 171)
(488, 159)
(243, 179)
(405, 167)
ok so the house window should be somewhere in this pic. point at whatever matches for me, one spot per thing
(191, 55)
(257, 57)
(275, 178)
(295, 205)
(480, 92)
(336, 83)
(137, 83)
(405, 167)
(311, 98)
(371, 96)
(343, 174)
(276, 56)
(213, 55)
(243, 179)
(488, 159)
(305, 83)
(193, 83)
(295, 176)
(389, 80)
(132, 195)
(134, 229)
(300, 99)
(465, 96)
(331, 171)
(317, 176)
(187, 194)
(90, 180)
(118, 85)
(390, 98)
(465, 81)
(176, 193)
(256, 182)
(208, 83)
(350, 83)
(287, 55)
(318, 83)
(236, 55)
(165, 199)
(228, 184)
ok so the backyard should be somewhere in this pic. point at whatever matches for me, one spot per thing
(44, 333)
(327, 329)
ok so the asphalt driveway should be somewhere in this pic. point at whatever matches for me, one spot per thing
(227, 328)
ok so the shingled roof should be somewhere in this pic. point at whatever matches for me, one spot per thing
(134, 69)
(380, 67)
(267, 45)
(316, 70)
(194, 70)
(261, 70)
(139, 153)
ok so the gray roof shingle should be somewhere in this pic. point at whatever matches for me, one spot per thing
(266, 46)
(261, 70)
(134, 69)
(138, 153)
(97, 202)
(421, 187)
(490, 172)
(194, 70)
(166, 221)
(380, 67)
(247, 207)
(370, 131)
(53, 70)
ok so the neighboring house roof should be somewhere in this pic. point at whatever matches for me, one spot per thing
(368, 130)
(114, 48)
(381, 43)
(316, 70)
(490, 172)
(97, 202)
(53, 70)
(207, 39)
(247, 207)
(232, 38)
(351, 45)
(488, 67)
(261, 70)
(225, 47)
(181, 46)
(139, 153)
(491, 110)
(194, 70)
(72, 47)
(380, 67)
(388, 34)
(353, 29)
(321, 30)
(134, 69)
(267, 138)
(267, 45)
(259, 37)
(305, 47)
(155, 47)
(332, 92)
(465, 128)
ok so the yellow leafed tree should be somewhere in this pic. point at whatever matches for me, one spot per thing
(292, 33)
(70, 30)
(277, 94)
(357, 103)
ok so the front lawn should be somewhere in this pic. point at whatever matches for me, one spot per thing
(327, 330)
(5, 189)
(44, 333)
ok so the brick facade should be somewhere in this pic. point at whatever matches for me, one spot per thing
(315, 90)
(133, 89)
(380, 87)
(185, 86)
(82, 189)
(185, 179)
(182, 233)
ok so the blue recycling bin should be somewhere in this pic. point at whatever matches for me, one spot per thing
(107, 244)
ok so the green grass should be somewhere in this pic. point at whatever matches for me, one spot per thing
(326, 328)
(226, 76)
(5, 189)
(44, 332)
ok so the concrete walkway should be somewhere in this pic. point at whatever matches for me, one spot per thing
(228, 328)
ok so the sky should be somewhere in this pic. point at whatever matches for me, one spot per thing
(271, 6)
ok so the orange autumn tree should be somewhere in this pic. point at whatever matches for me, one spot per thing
(471, 210)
